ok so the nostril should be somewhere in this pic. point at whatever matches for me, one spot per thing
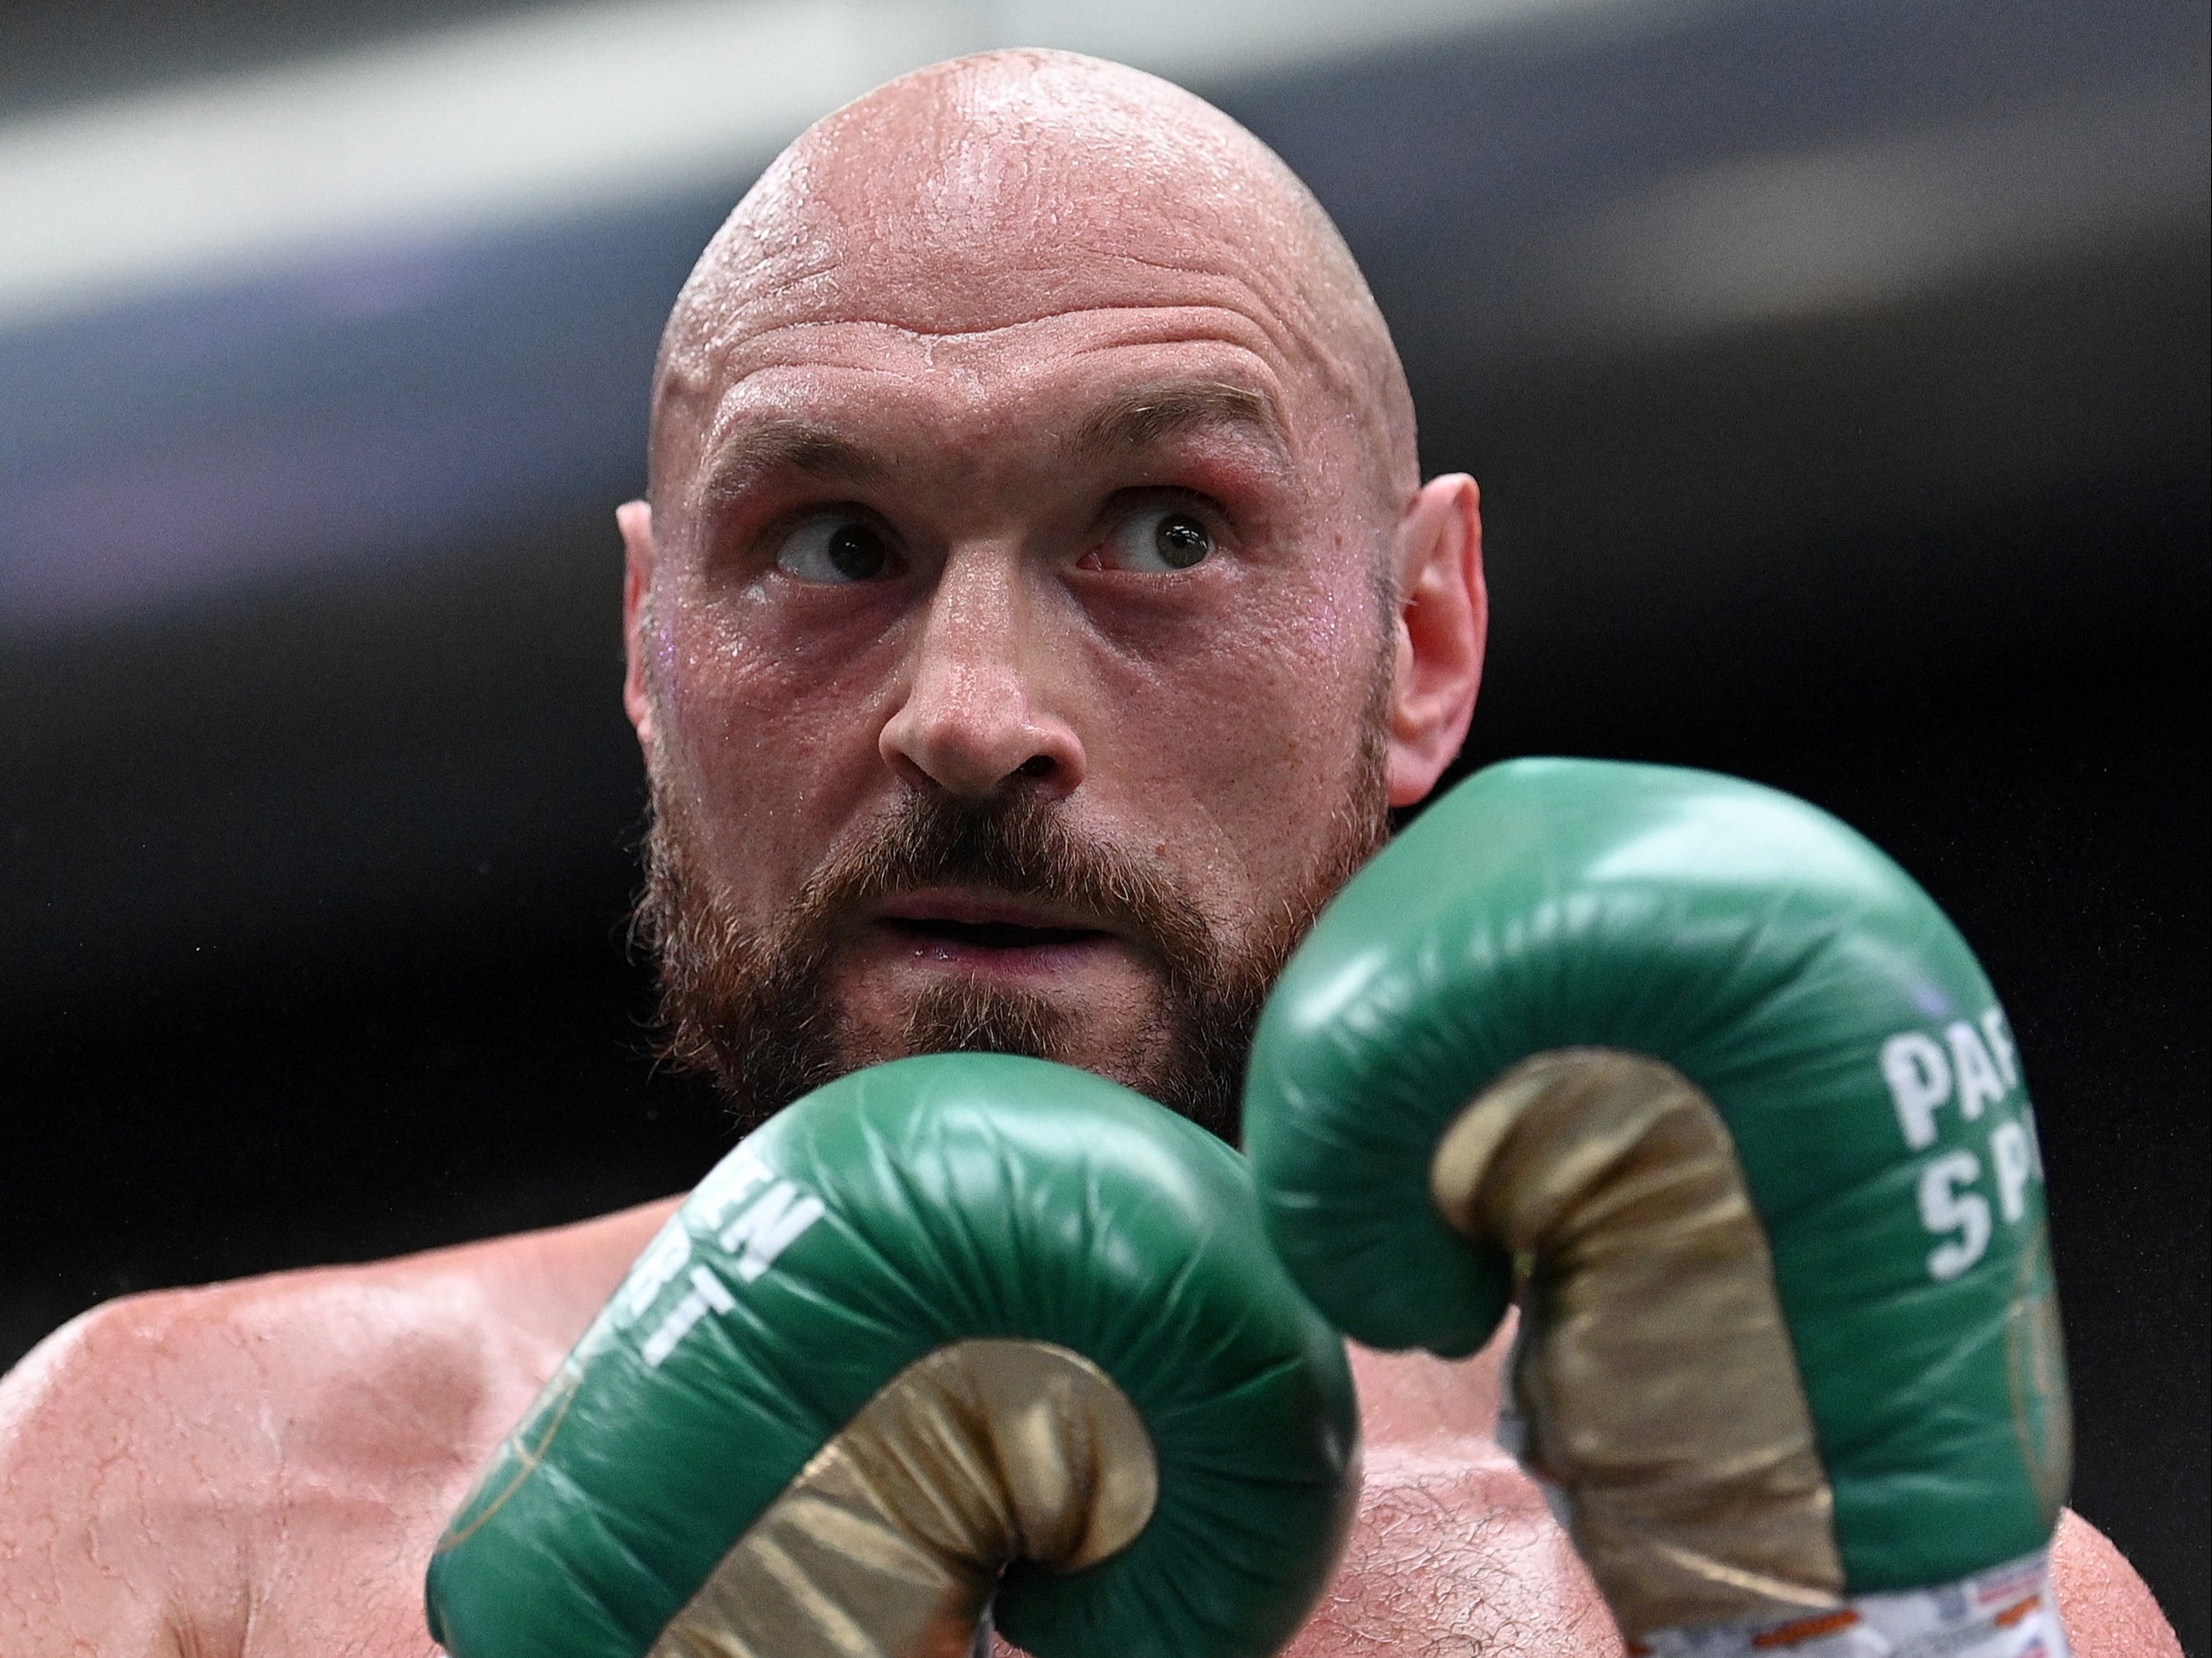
(1037, 765)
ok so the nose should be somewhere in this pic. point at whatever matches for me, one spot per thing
(978, 708)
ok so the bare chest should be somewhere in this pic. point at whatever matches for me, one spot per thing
(1453, 1552)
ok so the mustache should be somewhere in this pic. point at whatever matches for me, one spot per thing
(753, 1008)
(1020, 844)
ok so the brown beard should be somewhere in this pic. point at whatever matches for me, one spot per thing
(755, 1010)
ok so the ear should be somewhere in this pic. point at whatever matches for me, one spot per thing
(636, 519)
(1443, 621)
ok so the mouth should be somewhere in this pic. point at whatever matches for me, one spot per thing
(976, 927)
(990, 935)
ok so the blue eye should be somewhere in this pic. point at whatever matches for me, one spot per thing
(1159, 539)
(835, 547)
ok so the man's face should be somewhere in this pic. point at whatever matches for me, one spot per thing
(1013, 647)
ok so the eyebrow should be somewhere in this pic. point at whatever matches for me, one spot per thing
(1138, 419)
(1134, 420)
(780, 444)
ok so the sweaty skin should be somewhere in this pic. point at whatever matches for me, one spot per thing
(1000, 318)
(1005, 316)
(259, 1470)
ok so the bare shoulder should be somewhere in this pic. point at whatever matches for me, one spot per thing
(162, 1455)
(1455, 1548)
(2108, 1609)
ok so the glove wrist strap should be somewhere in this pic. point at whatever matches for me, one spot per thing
(2007, 1612)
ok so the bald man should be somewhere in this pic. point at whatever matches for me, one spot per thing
(1036, 611)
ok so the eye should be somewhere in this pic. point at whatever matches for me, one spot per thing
(1157, 539)
(836, 547)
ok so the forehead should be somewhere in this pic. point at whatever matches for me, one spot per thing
(1028, 324)
(966, 201)
(999, 265)
(1133, 373)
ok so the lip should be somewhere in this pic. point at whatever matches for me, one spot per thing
(969, 931)
(964, 906)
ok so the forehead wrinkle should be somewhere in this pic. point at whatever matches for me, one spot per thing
(718, 383)
(742, 325)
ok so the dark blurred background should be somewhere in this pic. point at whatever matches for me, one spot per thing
(1836, 372)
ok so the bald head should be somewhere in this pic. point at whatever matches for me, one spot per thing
(1039, 608)
(999, 190)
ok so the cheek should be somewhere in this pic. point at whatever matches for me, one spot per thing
(1301, 659)
(766, 737)
(1254, 717)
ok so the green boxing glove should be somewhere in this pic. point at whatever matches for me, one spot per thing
(1715, 1090)
(951, 1332)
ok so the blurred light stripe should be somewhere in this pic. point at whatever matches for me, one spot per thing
(394, 304)
(552, 115)
(1771, 238)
